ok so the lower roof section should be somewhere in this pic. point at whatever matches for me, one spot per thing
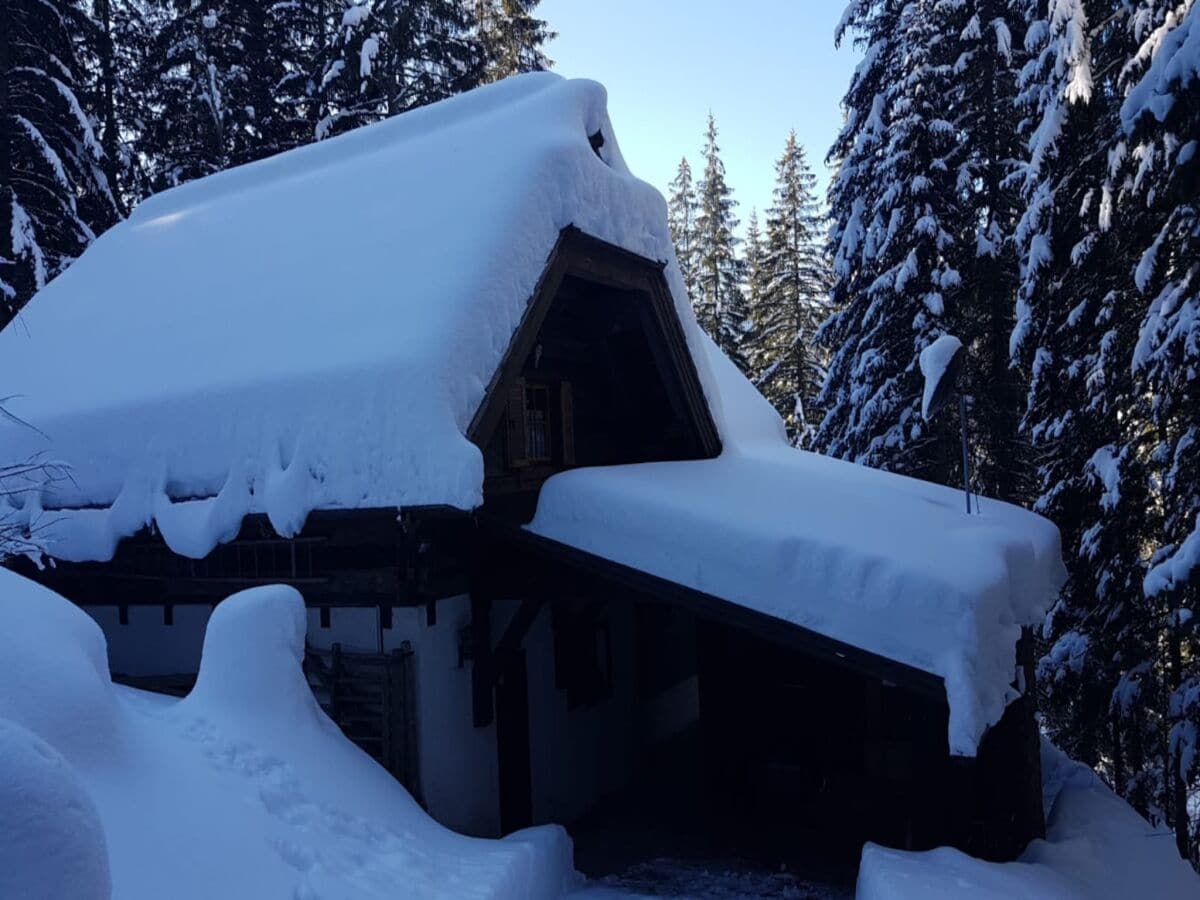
(603, 578)
(889, 565)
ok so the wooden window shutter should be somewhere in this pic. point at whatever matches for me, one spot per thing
(567, 407)
(517, 453)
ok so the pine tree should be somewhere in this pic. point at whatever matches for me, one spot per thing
(1064, 309)
(985, 47)
(1156, 177)
(1109, 408)
(54, 194)
(309, 53)
(391, 56)
(754, 267)
(217, 66)
(720, 305)
(682, 209)
(512, 37)
(119, 93)
(896, 213)
(793, 300)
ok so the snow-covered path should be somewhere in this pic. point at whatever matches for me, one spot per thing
(673, 879)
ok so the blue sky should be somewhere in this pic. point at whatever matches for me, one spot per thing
(762, 66)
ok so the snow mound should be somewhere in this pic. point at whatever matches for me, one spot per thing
(246, 771)
(231, 371)
(934, 361)
(51, 842)
(1096, 848)
(252, 657)
(54, 677)
(888, 564)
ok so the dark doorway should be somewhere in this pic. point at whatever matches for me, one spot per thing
(512, 744)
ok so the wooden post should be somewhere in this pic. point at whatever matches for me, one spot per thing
(1008, 772)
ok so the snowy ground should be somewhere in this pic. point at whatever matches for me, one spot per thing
(673, 879)
(244, 789)
(1096, 848)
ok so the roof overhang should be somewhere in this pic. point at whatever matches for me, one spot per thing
(596, 574)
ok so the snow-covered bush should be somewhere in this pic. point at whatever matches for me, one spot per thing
(19, 483)
(51, 843)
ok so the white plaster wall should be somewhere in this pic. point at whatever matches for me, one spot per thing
(148, 647)
(459, 779)
(355, 629)
(459, 774)
(579, 756)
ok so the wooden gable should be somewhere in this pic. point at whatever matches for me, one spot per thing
(598, 373)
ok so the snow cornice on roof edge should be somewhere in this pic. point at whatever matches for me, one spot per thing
(315, 330)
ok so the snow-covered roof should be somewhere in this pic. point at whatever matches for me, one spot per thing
(889, 564)
(316, 330)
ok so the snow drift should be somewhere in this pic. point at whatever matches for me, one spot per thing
(51, 842)
(1096, 848)
(244, 789)
(884, 563)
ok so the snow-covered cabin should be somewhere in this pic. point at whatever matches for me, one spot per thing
(441, 375)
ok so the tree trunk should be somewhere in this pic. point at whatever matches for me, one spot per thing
(8, 270)
(1178, 788)
(108, 98)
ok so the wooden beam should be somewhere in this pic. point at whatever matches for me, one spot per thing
(518, 626)
(587, 574)
(482, 670)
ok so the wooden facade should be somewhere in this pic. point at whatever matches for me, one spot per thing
(599, 373)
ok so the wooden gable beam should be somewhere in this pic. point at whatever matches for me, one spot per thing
(580, 255)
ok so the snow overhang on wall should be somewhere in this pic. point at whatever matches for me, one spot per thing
(315, 330)
(888, 564)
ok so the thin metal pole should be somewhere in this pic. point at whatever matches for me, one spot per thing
(966, 457)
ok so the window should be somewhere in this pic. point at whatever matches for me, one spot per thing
(537, 423)
(541, 427)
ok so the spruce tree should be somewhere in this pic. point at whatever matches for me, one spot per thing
(793, 301)
(512, 37)
(217, 67)
(754, 267)
(54, 193)
(120, 91)
(896, 215)
(1156, 178)
(682, 209)
(1070, 414)
(720, 305)
(1109, 408)
(308, 54)
(395, 55)
(985, 48)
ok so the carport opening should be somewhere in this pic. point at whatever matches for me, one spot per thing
(704, 742)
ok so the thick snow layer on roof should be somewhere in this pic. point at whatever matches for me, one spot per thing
(314, 330)
(892, 565)
(1096, 848)
(243, 789)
